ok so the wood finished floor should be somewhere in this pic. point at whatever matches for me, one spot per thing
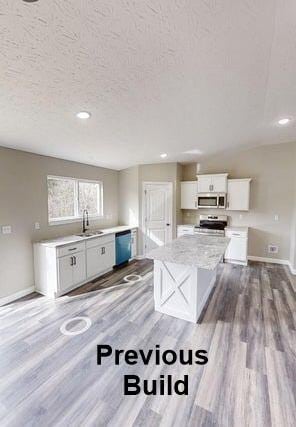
(248, 328)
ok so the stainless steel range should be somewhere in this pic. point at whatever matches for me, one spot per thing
(211, 224)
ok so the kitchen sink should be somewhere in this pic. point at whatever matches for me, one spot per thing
(89, 234)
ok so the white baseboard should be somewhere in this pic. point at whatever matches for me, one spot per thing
(293, 270)
(273, 261)
(17, 295)
(266, 259)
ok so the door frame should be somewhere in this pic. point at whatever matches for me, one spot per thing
(170, 199)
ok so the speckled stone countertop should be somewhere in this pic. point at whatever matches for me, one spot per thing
(68, 240)
(197, 250)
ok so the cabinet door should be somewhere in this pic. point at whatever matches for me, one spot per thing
(204, 184)
(189, 195)
(93, 261)
(107, 256)
(219, 183)
(238, 195)
(79, 271)
(237, 249)
(65, 272)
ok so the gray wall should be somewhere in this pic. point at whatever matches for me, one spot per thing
(23, 201)
(130, 192)
(273, 172)
(129, 196)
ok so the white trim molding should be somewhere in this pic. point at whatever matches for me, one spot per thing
(16, 295)
(272, 261)
(292, 269)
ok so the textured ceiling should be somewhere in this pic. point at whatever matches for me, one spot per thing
(157, 76)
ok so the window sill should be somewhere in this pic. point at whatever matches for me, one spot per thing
(72, 220)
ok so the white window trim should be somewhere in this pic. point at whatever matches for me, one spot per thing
(77, 217)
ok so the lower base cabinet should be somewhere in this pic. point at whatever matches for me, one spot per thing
(100, 258)
(182, 230)
(237, 250)
(61, 269)
(71, 270)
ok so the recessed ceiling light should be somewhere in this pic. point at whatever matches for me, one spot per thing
(83, 115)
(163, 155)
(284, 121)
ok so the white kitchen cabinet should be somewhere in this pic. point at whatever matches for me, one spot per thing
(58, 269)
(189, 195)
(71, 269)
(79, 269)
(182, 230)
(134, 245)
(100, 255)
(237, 250)
(238, 194)
(93, 266)
(65, 272)
(214, 183)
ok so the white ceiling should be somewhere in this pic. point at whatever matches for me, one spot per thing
(157, 76)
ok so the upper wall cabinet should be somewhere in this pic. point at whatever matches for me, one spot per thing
(212, 183)
(238, 195)
(189, 195)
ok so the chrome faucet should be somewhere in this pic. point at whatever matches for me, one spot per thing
(85, 221)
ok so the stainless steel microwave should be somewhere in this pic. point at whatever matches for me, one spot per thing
(211, 200)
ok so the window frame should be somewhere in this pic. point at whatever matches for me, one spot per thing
(77, 217)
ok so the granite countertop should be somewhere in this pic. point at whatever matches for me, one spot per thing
(67, 240)
(195, 250)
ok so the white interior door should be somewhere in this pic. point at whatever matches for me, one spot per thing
(157, 214)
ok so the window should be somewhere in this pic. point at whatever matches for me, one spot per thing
(68, 197)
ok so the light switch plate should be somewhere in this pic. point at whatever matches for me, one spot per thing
(6, 229)
(37, 226)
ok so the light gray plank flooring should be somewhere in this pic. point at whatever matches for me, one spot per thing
(248, 329)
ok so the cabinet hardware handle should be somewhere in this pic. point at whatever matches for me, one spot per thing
(71, 261)
(72, 249)
(103, 250)
(168, 225)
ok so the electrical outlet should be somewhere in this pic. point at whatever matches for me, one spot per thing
(276, 217)
(273, 249)
(37, 226)
(6, 229)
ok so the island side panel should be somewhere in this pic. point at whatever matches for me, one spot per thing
(175, 290)
(180, 290)
(205, 282)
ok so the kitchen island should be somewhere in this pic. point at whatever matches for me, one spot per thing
(184, 274)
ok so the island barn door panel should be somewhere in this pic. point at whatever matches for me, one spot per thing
(157, 214)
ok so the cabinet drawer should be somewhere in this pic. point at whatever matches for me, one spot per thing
(181, 231)
(240, 234)
(70, 249)
(98, 241)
